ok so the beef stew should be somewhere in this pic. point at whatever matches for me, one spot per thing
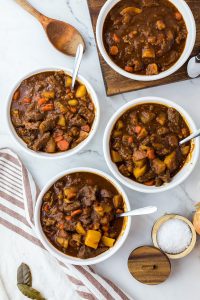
(78, 214)
(144, 37)
(48, 116)
(144, 144)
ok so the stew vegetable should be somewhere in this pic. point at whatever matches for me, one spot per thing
(144, 36)
(144, 143)
(78, 214)
(48, 116)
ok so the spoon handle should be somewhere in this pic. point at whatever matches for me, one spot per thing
(197, 58)
(78, 58)
(140, 211)
(29, 8)
(190, 137)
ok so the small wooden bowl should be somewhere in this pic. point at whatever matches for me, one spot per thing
(165, 218)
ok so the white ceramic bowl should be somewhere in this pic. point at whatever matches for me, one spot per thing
(67, 258)
(191, 27)
(67, 153)
(180, 176)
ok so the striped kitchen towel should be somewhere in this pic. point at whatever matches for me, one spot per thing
(18, 193)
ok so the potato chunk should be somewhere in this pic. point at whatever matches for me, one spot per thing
(70, 192)
(185, 150)
(62, 242)
(108, 241)
(160, 25)
(117, 201)
(130, 10)
(161, 118)
(81, 91)
(115, 156)
(61, 121)
(170, 161)
(68, 81)
(138, 172)
(92, 238)
(140, 163)
(48, 94)
(152, 69)
(51, 146)
(80, 229)
(148, 53)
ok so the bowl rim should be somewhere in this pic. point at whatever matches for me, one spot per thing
(133, 184)
(67, 258)
(58, 155)
(159, 222)
(181, 5)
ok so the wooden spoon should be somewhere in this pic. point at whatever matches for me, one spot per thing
(63, 36)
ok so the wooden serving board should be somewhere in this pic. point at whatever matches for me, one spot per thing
(115, 83)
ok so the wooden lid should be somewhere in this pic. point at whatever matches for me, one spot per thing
(149, 265)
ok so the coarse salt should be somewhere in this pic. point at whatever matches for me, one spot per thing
(174, 236)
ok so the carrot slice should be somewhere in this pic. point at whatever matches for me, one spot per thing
(42, 101)
(76, 212)
(130, 140)
(137, 129)
(151, 154)
(47, 107)
(46, 207)
(16, 95)
(63, 145)
(58, 138)
(61, 226)
(150, 183)
(26, 100)
(129, 69)
(68, 218)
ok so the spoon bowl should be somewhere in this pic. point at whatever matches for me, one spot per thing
(63, 36)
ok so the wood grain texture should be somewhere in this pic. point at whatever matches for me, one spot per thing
(115, 83)
(149, 265)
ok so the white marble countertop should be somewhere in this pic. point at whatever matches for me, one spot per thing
(23, 48)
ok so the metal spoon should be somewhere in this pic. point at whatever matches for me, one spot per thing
(193, 67)
(62, 35)
(78, 58)
(190, 137)
(140, 211)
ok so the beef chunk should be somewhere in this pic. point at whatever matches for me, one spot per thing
(147, 176)
(133, 118)
(86, 114)
(158, 166)
(162, 131)
(106, 193)
(31, 125)
(125, 153)
(41, 142)
(173, 116)
(84, 252)
(34, 116)
(146, 116)
(138, 155)
(124, 170)
(83, 135)
(88, 195)
(73, 206)
(48, 124)
(172, 140)
(77, 121)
